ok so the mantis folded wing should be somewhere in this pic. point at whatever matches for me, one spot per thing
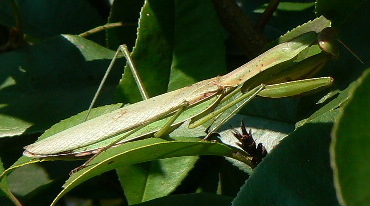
(198, 103)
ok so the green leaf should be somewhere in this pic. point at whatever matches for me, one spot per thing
(152, 54)
(350, 154)
(26, 179)
(151, 180)
(35, 180)
(5, 190)
(203, 55)
(142, 151)
(316, 25)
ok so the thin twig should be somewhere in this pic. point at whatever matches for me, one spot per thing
(267, 14)
(240, 28)
(104, 27)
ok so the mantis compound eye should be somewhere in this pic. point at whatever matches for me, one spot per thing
(327, 41)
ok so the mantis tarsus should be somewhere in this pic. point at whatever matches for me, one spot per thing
(267, 75)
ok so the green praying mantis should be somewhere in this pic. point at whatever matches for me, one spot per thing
(272, 75)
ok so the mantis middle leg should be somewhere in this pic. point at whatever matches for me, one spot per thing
(124, 50)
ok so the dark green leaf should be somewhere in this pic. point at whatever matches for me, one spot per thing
(350, 148)
(150, 180)
(296, 172)
(338, 10)
(190, 199)
(53, 17)
(127, 12)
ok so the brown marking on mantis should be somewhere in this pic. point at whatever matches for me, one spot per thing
(119, 115)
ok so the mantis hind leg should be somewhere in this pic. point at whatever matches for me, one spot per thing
(124, 50)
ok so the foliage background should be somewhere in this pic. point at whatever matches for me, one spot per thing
(51, 76)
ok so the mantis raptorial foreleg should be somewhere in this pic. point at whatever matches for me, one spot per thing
(166, 129)
(124, 50)
(244, 99)
(285, 89)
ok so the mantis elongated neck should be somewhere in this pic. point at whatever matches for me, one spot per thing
(274, 56)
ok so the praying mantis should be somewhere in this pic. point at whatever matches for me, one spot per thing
(268, 75)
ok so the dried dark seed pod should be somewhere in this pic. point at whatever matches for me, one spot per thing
(247, 143)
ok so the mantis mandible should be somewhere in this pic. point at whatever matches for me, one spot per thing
(266, 75)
